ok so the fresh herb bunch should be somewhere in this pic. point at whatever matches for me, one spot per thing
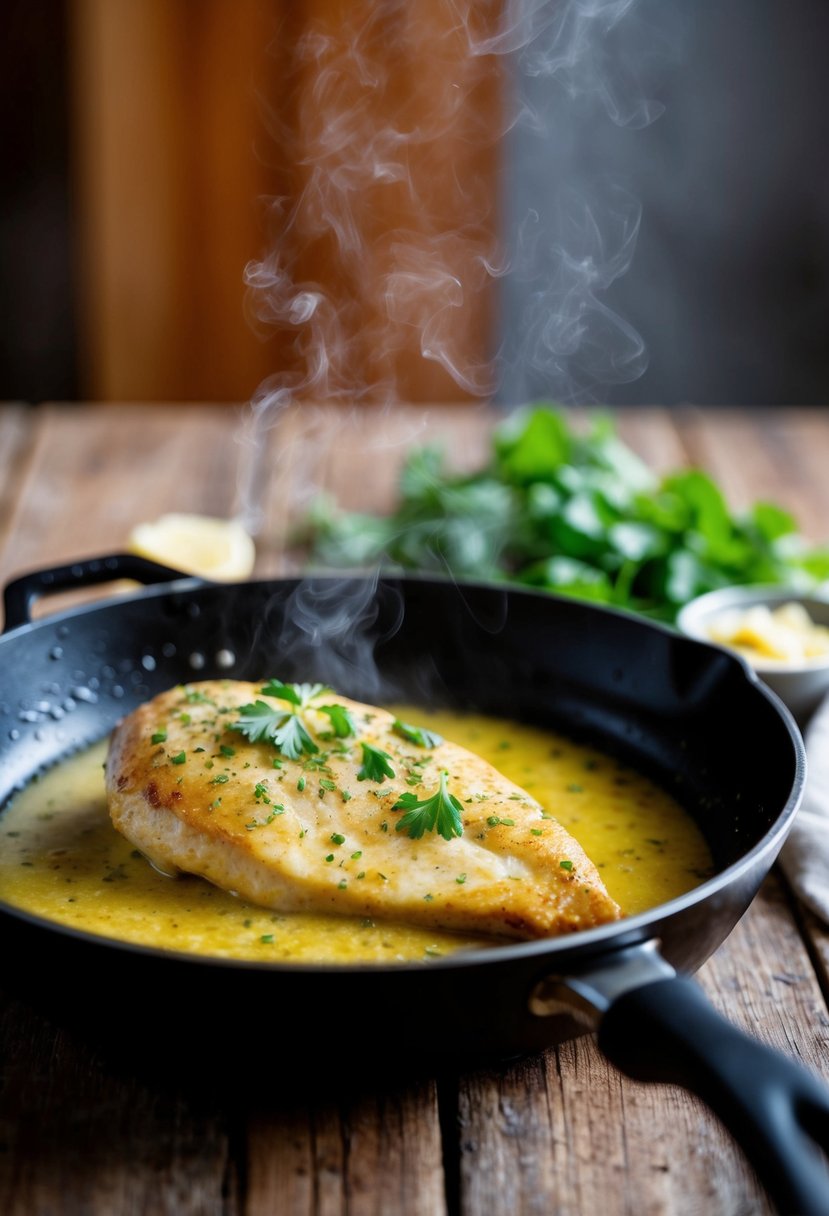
(577, 514)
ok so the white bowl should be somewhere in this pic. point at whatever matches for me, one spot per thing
(801, 685)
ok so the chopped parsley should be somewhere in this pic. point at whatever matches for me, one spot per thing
(160, 736)
(263, 823)
(566, 865)
(336, 838)
(179, 758)
(440, 813)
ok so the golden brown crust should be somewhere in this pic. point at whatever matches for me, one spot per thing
(207, 801)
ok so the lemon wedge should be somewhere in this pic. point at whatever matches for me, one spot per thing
(196, 544)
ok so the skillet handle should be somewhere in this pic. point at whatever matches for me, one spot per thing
(776, 1110)
(22, 593)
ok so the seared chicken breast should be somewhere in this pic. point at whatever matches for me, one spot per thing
(302, 800)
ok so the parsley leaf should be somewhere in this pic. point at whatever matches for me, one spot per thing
(260, 722)
(441, 813)
(291, 737)
(297, 694)
(257, 721)
(416, 734)
(375, 766)
(342, 722)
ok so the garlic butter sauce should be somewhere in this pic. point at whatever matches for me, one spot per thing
(62, 859)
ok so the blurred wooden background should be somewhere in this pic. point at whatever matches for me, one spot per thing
(187, 117)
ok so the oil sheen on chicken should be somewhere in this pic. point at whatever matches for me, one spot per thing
(320, 830)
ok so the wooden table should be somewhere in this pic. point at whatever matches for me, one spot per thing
(558, 1133)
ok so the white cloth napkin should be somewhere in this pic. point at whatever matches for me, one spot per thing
(805, 855)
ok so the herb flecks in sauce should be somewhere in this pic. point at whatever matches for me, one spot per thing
(647, 850)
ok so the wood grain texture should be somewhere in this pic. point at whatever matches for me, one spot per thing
(95, 473)
(365, 1156)
(18, 430)
(80, 1135)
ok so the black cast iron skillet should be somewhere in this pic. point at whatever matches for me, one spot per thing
(691, 715)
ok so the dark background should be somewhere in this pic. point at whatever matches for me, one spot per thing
(729, 284)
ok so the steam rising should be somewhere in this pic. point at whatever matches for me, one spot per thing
(380, 103)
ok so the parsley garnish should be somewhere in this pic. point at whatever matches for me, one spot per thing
(566, 865)
(342, 722)
(441, 813)
(297, 694)
(160, 736)
(416, 734)
(282, 727)
(375, 766)
(179, 758)
(259, 722)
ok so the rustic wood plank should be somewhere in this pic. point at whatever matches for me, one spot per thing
(376, 1154)
(97, 472)
(81, 1136)
(18, 434)
(771, 454)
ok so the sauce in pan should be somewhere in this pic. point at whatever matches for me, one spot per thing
(62, 859)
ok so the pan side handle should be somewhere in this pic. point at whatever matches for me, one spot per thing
(22, 593)
(655, 1025)
(776, 1110)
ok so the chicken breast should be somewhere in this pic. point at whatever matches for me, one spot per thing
(298, 799)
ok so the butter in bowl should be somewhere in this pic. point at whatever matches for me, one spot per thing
(782, 634)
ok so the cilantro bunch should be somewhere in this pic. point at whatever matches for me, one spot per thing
(577, 514)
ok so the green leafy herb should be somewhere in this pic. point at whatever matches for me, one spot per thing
(342, 722)
(574, 512)
(416, 734)
(179, 758)
(566, 865)
(299, 695)
(261, 722)
(441, 813)
(336, 838)
(160, 736)
(375, 766)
